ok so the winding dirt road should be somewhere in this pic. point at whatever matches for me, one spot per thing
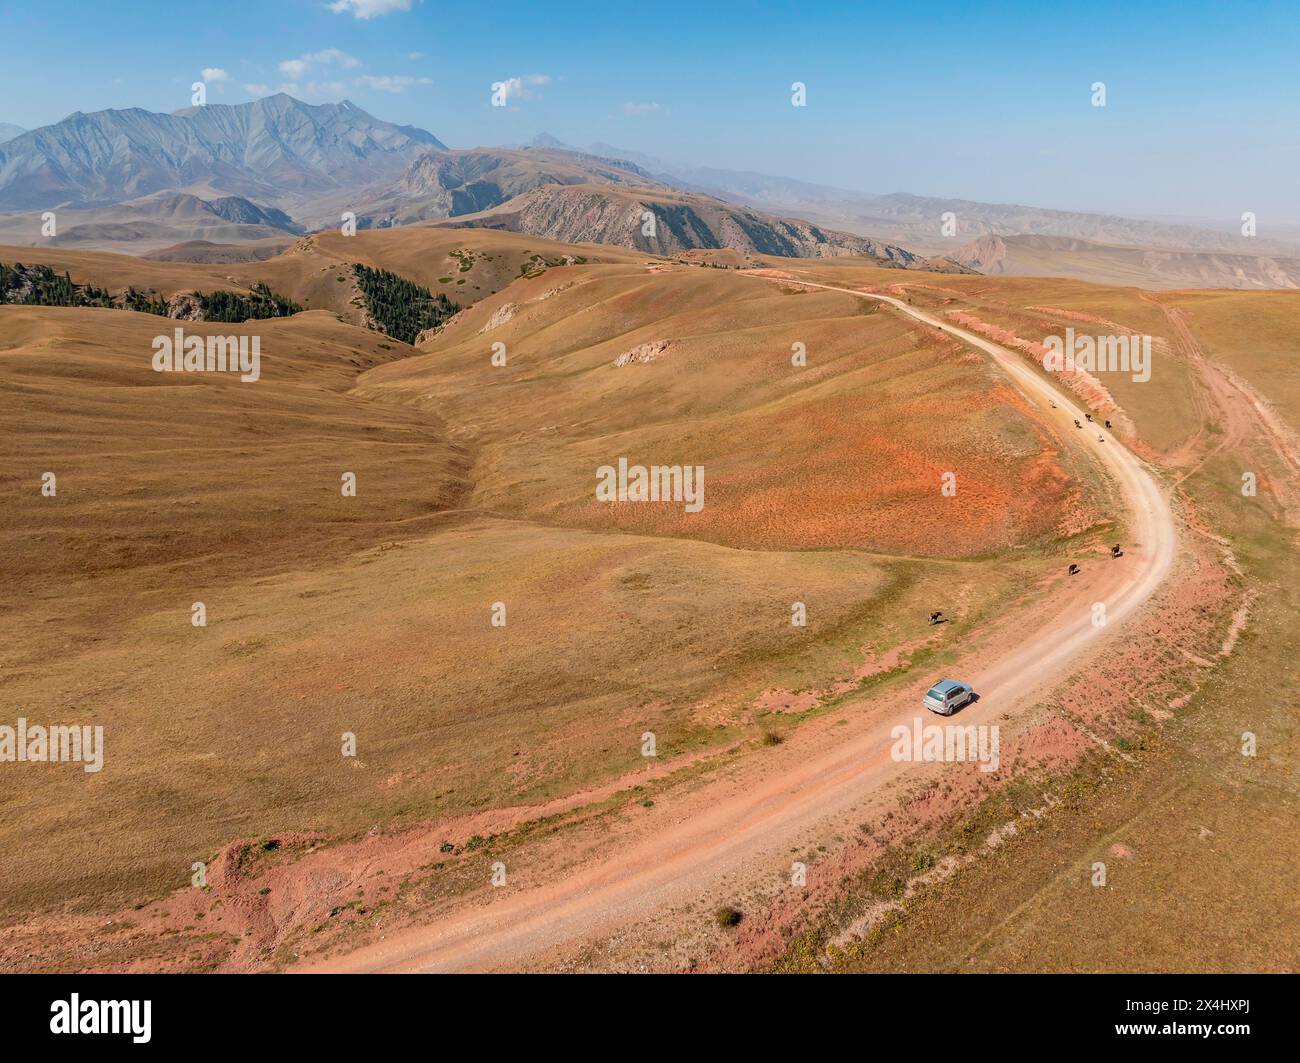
(740, 823)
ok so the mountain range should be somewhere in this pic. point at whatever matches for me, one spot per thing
(257, 171)
(249, 172)
(267, 149)
(918, 220)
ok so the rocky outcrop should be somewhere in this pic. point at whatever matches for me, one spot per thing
(643, 353)
(500, 316)
(986, 254)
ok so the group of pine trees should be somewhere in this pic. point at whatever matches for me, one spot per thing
(233, 306)
(41, 286)
(141, 302)
(399, 307)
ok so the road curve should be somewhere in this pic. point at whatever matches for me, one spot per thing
(754, 822)
(1152, 521)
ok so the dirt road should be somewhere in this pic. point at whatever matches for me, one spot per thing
(743, 822)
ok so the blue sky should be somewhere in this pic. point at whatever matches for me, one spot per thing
(980, 101)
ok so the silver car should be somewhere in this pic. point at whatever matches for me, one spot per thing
(947, 696)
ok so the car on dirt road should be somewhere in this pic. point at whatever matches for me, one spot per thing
(947, 696)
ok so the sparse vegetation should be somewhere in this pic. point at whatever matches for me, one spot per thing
(535, 265)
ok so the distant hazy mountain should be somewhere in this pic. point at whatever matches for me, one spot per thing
(448, 184)
(918, 220)
(241, 211)
(646, 164)
(1064, 256)
(141, 226)
(9, 131)
(551, 189)
(545, 140)
(609, 213)
(271, 147)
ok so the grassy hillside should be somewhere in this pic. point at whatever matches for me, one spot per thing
(690, 366)
(372, 614)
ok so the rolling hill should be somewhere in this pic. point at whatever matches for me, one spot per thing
(153, 222)
(370, 614)
(472, 487)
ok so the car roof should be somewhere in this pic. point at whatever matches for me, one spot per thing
(946, 685)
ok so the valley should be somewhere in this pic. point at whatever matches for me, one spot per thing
(462, 502)
(573, 492)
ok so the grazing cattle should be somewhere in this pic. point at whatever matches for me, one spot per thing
(1107, 424)
(1088, 415)
(1077, 424)
(1115, 551)
(934, 617)
(1074, 570)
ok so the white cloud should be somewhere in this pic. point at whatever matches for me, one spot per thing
(517, 88)
(413, 56)
(214, 73)
(389, 82)
(368, 8)
(308, 76)
(634, 107)
(296, 68)
(339, 89)
(332, 55)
